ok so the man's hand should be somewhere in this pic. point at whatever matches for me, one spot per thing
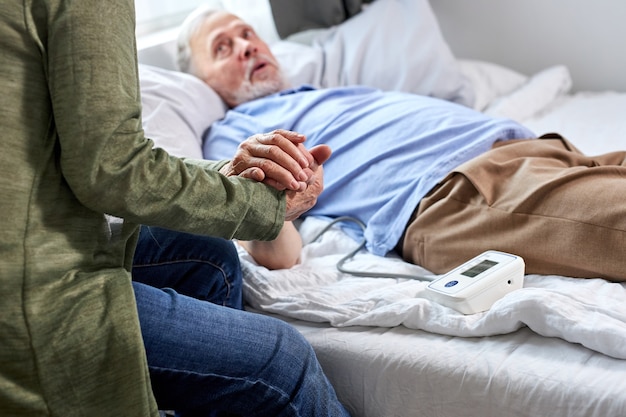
(277, 159)
(289, 243)
(298, 202)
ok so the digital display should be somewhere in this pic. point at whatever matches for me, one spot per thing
(479, 268)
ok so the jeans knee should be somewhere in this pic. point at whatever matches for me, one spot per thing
(296, 353)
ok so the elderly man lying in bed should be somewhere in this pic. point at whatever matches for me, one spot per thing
(434, 180)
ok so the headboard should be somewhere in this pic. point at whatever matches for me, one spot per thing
(588, 36)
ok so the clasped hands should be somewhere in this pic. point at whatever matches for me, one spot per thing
(280, 160)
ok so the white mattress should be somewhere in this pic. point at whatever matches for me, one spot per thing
(402, 372)
(555, 347)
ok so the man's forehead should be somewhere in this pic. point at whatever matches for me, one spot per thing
(220, 23)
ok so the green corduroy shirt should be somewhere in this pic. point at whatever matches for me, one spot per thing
(73, 149)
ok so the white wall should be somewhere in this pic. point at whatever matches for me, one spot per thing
(589, 36)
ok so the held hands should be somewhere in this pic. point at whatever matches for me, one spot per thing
(280, 160)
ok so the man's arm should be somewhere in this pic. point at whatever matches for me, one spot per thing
(284, 251)
(280, 253)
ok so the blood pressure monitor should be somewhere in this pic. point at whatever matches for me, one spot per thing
(478, 283)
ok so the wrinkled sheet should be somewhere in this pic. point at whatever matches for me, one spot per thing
(590, 312)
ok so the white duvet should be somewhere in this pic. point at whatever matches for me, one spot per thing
(590, 312)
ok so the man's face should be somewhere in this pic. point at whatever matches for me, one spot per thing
(230, 58)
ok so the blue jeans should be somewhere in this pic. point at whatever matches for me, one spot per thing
(206, 357)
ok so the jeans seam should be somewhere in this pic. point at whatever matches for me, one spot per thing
(154, 237)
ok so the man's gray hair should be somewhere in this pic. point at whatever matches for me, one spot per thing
(187, 31)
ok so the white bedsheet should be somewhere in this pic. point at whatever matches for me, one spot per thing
(591, 312)
(594, 121)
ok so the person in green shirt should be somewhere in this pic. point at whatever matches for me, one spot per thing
(72, 150)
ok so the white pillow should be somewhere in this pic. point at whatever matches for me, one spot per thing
(391, 45)
(533, 96)
(490, 81)
(177, 109)
(301, 64)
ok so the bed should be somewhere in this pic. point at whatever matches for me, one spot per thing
(555, 347)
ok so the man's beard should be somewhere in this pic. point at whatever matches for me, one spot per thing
(248, 91)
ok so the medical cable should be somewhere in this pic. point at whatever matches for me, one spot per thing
(352, 254)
